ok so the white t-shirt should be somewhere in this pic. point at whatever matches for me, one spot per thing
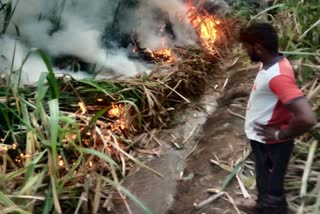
(273, 88)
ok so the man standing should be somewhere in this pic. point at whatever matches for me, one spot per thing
(277, 112)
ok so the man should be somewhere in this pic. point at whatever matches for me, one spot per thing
(277, 112)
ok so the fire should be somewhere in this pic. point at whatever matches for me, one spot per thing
(206, 26)
(119, 112)
(115, 111)
(116, 123)
(164, 54)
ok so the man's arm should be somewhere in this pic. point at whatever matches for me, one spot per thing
(303, 119)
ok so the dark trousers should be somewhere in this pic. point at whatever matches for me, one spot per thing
(271, 162)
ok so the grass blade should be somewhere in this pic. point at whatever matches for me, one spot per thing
(54, 88)
(267, 10)
(100, 155)
(234, 172)
(53, 154)
(129, 194)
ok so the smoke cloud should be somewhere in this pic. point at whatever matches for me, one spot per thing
(90, 31)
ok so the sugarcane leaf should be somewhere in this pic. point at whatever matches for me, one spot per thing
(100, 155)
(129, 194)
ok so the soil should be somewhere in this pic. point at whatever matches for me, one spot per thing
(223, 138)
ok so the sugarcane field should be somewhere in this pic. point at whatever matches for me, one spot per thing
(159, 107)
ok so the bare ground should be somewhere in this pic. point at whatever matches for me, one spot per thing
(223, 139)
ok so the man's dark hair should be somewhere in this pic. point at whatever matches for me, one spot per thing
(260, 33)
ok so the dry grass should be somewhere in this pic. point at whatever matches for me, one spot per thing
(70, 150)
(66, 145)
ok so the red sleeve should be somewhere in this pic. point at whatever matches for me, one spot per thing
(285, 87)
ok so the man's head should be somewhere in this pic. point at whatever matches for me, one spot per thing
(259, 39)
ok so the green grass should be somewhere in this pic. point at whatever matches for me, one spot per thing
(51, 157)
(59, 156)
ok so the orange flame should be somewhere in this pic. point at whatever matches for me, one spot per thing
(206, 26)
(164, 54)
(115, 111)
(119, 112)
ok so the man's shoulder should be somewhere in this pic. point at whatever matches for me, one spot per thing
(281, 68)
(285, 67)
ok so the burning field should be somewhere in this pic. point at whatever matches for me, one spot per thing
(122, 38)
(86, 86)
(65, 142)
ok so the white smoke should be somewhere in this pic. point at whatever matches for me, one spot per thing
(80, 34)
(12, 54)
(28, 69)
(177, 11)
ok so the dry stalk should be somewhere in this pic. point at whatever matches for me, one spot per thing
(235, 114)
(208, 200)
(190, 134)
(230, 199)
(172, 89)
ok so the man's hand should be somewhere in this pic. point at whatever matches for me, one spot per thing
(266, 132)
(303, 119)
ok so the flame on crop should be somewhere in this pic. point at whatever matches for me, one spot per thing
(206, 27)
(163, 54)
(115, 110)
(118, 112)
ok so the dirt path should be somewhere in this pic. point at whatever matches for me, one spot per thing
(224, 139)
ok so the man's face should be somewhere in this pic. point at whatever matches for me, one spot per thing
(252, 52)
